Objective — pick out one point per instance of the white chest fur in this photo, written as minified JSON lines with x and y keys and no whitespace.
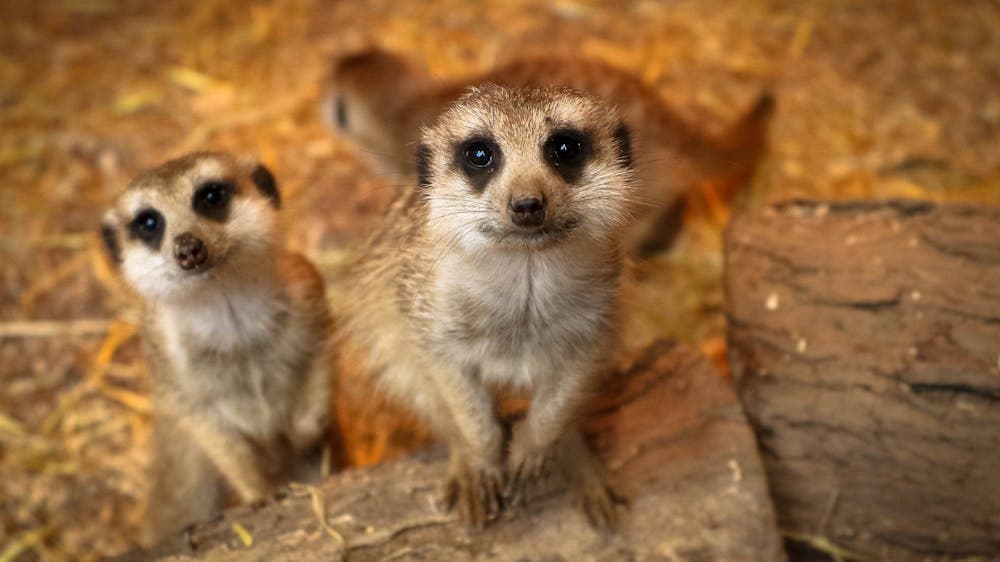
{"x":519,"y":315}
{"x":224,"y":320}
{"x":227,"y":353}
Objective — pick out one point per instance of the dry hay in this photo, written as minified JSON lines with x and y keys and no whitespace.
{"x":91,"y":92}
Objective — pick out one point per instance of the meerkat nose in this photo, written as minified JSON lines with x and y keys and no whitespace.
{"x":190,"y":252}
{"x":527,"y":211}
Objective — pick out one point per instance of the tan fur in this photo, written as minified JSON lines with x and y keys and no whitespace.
{"x":450,"y":300}
{"x":387,"y":99}
{"x":236,"y":350}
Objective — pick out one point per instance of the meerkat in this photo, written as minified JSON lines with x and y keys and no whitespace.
{"x":503,"y":270}
{"x":234,"y":329}
{"x":380,"y":101}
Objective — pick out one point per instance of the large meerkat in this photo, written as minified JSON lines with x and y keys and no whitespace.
{"x":234,"y":330}
{"x":380,"y":101}
{"x":502,"y":270}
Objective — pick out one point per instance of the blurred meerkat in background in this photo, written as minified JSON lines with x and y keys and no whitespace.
{"x":234,"y":329}
{"x":502,"y":270}
{"x":380,"y":101}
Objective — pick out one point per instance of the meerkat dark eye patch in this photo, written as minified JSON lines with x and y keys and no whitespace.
{"x":623,"y":142}
{"x":266,"y":184}
{"x":148,"y":226}
{"x":110,"y":238}
{"x":567,"y":152}
{"x":340,"y":111}
{"x":479,"y":158}
{"x":211,"y":199}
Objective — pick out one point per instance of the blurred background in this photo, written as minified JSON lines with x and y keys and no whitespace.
{"x":874,"y":99}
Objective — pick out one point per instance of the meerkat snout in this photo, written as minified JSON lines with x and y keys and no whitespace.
{"x":528,"y":212}
{"x":189,"y":251}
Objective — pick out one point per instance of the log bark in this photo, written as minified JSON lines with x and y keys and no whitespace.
{"x":668,"y":426}
{"x":864,"y":339}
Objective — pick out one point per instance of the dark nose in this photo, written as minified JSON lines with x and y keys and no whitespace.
{"x":189,"y":251}
{"x":527,"y":211}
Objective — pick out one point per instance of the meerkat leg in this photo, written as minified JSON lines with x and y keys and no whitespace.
{"x":184,"y":484}
{"x":233,"y":456}
{"x":465,"y":413}
{"x":311,"y":419}
{"x":554,"y":407}
{"x":312,"y":436}
{"x":589,"y":480}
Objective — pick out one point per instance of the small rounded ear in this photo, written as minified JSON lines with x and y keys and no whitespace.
{"x":264,"y":180}
{"x":109,"y":236}
{"x":623,"y":142}
{"x":423,"y":156}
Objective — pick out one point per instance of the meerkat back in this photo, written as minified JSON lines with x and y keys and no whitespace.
{"x":234,"y":329}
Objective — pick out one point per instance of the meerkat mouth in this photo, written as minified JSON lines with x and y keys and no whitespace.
{"x":545,"y":235}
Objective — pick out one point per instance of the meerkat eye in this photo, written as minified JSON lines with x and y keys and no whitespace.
{"x":147,"y":225}
{"x":479,"y":158}
{"x":567,"y":152}
{"x":341,"y":111}
{"x":564,"y":149}
{"x":212,"y":199}
{"x":478,"y":154}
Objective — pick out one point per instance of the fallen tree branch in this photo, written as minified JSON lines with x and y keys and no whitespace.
{"x":864,"y":340}
{"x":668,"y":426}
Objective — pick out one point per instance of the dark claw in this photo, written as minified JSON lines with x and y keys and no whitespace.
{"x":599,"y":504}
{"x":526,"y":478}
{"x":450,"y":494}
{"x":476,"y":496}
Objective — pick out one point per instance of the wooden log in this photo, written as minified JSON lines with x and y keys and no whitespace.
{"x":864,"y":339}
{"x":669,"y":427}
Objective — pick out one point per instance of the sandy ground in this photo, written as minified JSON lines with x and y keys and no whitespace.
{"x":875,"y":99}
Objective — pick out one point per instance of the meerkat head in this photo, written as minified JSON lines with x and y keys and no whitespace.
{"x":526,"y":168}
{"x":365,"y":95}
{"x":203,"y":218}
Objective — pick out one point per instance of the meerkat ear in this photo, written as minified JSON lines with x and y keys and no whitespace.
{"x":109,"y":236}
{"x":266,"y":185}
{"x":423,"y":166}
{"x":623,"y":140}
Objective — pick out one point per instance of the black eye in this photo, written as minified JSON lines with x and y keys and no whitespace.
{"x":479,"y":158}
{"x":341,"y":109}
{"x":212,"y":199}
{"x":148,"y":226}
{"x":479,"y":154}
{"x":567,"y":152}
{"x":148,"y":222}
{"x":565,"y":149}
{"x":214,"y":194}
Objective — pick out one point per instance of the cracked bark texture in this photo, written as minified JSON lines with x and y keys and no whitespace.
{"x":668,"y":426}
{"x":865,"y":344}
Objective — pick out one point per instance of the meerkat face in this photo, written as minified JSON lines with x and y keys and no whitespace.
{"x":203,"y":218}
{"x":526,"y":168}
{"x":363,"y":97}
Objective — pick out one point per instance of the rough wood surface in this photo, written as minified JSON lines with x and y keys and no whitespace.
{"x":669,"y":427}
{"x":865,"y":343}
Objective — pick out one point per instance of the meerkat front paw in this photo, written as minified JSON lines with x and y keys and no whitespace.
{"x":477,"y":494}
{"x":590,"y":482}
{"x":599,"y":502}
{"x":527,"y":467}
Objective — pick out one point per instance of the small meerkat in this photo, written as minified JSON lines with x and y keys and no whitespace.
{"x":502,"y":271}
{"x":380,"y":101}
{"x":234,"y":329}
